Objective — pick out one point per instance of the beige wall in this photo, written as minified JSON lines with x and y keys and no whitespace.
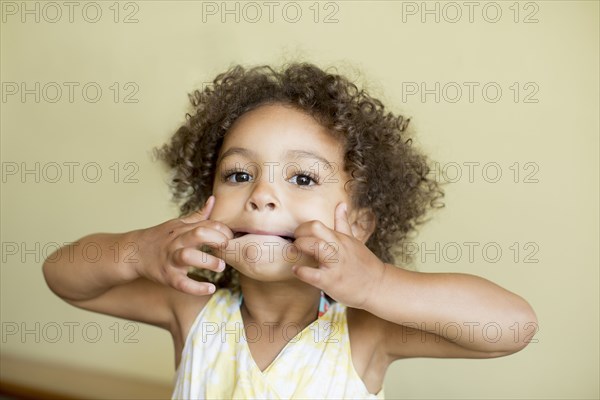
{"x":550,"y":212}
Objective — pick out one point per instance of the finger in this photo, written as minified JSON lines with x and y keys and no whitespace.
{"x":211,"y":233}
{"x":221,"y":227}
{"x":341,"y":220}
{"x":183,"y":283}
{"x":190,"y":257}
{"x":326,"y":253}
{"x":315,"y":229}
{"x":202,"y":214}
{"x":218,"y":226}
{"x":312,"y":276}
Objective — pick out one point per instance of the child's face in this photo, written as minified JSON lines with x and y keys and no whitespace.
{"x":263,"y":185}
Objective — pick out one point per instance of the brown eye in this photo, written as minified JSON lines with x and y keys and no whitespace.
{"x":240,"y":177}
{"x":235,"y":176}
{"x":304,"y":179}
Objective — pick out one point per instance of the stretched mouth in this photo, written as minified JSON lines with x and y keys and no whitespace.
{"x":240,"y":234}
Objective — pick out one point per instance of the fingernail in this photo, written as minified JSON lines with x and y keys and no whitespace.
{"x":211,"y":289}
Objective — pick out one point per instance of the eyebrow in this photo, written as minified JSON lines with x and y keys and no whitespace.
{"x":294,"y":154}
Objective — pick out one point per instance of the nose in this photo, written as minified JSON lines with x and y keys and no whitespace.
{"x":263,"y":197}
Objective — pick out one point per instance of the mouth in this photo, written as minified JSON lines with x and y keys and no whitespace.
{"x":285,"y":236}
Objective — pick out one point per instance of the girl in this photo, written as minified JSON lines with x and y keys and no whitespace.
{"x":307,"y":185}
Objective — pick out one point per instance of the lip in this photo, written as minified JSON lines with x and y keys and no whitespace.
{"x":261,"y":232}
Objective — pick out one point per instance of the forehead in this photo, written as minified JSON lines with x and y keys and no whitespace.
{"x":278,"y":131}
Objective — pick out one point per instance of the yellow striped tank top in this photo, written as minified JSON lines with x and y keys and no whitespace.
{"x":316,"y":363}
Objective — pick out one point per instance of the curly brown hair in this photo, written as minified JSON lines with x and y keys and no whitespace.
{"x":389,"y":175}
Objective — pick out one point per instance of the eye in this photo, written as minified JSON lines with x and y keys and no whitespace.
{"x":304,"y":178}
{"x":236,"y":176}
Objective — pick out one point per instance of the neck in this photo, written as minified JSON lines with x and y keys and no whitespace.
{"x":279,"y":302}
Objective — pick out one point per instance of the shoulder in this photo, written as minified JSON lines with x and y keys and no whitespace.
{"x":368,"y":347}
{"x":363,"y":324}
{"x":186,"y":309}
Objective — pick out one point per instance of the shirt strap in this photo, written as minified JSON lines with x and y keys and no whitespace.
{"x":323,"y":305}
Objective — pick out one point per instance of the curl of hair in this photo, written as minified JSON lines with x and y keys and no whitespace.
{"x":389,"y":175}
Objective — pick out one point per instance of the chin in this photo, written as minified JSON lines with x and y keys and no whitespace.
{"x":266,"y":272}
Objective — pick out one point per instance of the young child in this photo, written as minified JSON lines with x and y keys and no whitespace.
{"x":307,"y":189}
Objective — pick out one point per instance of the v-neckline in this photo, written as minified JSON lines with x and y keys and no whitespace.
{"x":292,"y":340}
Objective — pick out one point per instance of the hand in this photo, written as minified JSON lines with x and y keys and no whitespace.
{"x":348,"y":271}
{"x":169,"y":249}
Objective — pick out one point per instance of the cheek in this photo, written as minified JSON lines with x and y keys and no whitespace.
{"x":221,"y":208}
{"x":224,"y":200}
{"x":322,"y":209}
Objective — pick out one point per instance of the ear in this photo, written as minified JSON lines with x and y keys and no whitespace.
{"x":362,"y":222}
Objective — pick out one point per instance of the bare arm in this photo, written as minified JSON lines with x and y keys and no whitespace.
{"x":92,"y":265}
{"x":412,"y":314}
{"x":139,"y":275}
{"x":441,"y":311}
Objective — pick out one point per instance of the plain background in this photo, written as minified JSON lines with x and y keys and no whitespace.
{"x":540,"y":132}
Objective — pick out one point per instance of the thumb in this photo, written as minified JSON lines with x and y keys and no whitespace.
{"x":202,"y":214}
{"x":341,"y":220}
{"x":310,"y":275}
